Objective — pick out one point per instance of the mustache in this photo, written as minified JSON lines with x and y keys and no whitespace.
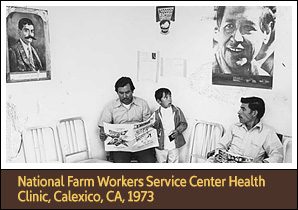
{"x":30,"y":37}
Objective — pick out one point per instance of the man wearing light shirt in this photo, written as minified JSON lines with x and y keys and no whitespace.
{"x":126,"y":109}
{"x":22,"y":55}
{"x":251,"y":137}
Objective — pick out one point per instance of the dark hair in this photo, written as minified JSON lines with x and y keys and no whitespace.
{"x":24,"y":21}
{"x":122,"y":82}
{"x":267,"y":17}
{"x":159,"y":93}
{"x":255,"y":103}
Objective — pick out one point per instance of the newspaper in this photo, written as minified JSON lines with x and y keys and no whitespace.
{"x":131,"y":137}
{"x":222,"y":156}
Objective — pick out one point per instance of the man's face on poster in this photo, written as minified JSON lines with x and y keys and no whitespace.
{"x":240,"y":37}
{"x":27,"y":33}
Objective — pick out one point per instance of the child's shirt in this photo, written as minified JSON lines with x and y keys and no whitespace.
{"x":167,"y":119}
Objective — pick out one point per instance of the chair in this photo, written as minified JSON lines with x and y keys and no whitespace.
{"x":287,"y":150}
{"x":41,"y":145}
{"x":74,"y":141}
{"x":203,"y":139}
{"x":287,"y":147}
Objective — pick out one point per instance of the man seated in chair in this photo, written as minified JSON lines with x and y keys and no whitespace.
{"x":126,"y":109}
{"x":250,"y":137}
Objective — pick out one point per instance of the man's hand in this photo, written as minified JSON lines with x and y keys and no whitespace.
{"x":211,"y":153}
{"x":155,"y":125}
{"x":102,"y":134}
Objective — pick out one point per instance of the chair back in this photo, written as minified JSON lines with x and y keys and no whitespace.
{"x":73,"y":138}
{"x":203,"y":139}
{"x":41,"y":145}
{"x":287,"y":149}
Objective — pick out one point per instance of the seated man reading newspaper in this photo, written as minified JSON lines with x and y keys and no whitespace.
{"x":250,"y":140}
{"x":130,"y":116}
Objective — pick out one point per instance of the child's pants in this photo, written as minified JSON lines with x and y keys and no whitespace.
{"x":167,"y":156}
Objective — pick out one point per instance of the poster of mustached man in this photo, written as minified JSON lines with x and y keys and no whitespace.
{"x":243,"y":45}
{"x":164,"y":15}
{"x":28,"y":53}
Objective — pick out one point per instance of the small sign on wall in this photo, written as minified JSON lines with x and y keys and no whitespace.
{"x":173,"y":67}
{"x":148,"y":65}
{"x":164,"y":15}
{"x":27,"y":45}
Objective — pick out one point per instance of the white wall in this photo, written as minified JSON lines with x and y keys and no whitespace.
{"x":91,"y":47}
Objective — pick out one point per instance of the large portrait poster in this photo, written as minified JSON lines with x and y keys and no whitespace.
{"x":244,"y":46}
{"x":28,"y":53}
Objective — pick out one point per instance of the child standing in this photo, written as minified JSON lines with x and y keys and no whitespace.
{"x":170,"y":124}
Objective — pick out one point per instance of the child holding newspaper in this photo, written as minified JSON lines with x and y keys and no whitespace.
{"x":170,"y":124}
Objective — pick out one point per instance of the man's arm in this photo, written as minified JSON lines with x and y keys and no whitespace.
{"x":13,"y":61}
{"x":225,"y":141}
{"x":102,"y":134}
{"x":106,"y":116}
{"x":273,"y":148}
{"x":146,"y":111}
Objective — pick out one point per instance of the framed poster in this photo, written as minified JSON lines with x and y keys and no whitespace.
{"x":243,"y":46}
{"x":27,"y":45}
{"x":164,"y":15}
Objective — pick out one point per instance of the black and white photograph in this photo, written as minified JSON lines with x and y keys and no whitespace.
{"x":219,"y":80}
{"x":149,"y":105}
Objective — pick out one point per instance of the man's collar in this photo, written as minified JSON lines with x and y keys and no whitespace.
{"x":118,"y":103}
{"x":258,"y":125}
{"x":24,"y":44}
